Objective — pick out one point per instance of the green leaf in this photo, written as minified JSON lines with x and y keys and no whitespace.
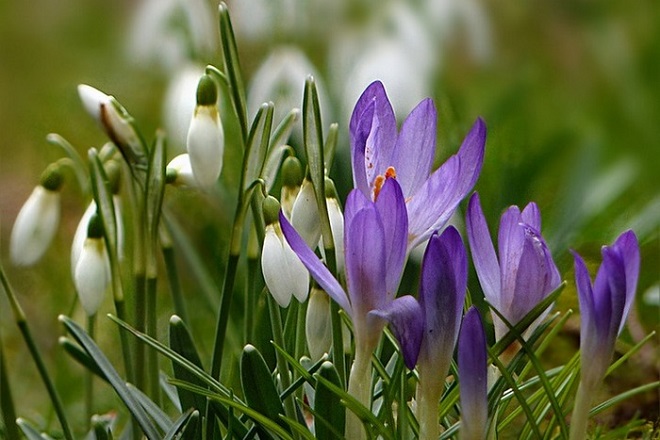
{"x":155,"y":191}
{"x":187,"y":422}
{"x":327,"y":405}
{"x":132,"y":404}
{"x":81,"y":356}
{"x":31,"y":433}
{"x":313,"y":143}
{"x":623,"y":396}
{"x":102,"y":426}
{"x":257,"y":145}
{"x":182,"y":342}
{"x":153,"y":410}
{"x":233,"y":69}
{"x":330,"y":146}
{"x":258,"y":386}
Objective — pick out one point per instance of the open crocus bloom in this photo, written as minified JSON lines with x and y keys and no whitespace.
{"x":524,"y":274}
{"x":375,"y":236}
{"x":378,"y":152}
{"x":605,"y":305}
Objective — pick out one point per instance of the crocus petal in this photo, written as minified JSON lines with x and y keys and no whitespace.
{"x":616,"y":278}
{"x":585,"y":295}
{"x":35,"y":226}
{"x":315,"y":267}
{"x":471,"y":155}
{"x":355,"y":201}
{"x":415,"y":147}
{"x":434,"y":203}
{"x":441,"y":296}
{"x":472,"y":371}
{"x":407,"y":320}
{"x":532,"y":216}
{"x":629,"y":248}
{"x":483,"y":251}
{"x":373,"y":135}
{"x":510,"y":241}
{"x":392,"y":209}
{"x":364,"y":242}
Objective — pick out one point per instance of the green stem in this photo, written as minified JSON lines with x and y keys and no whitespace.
{"x":152,"y":326}
{"x":21,"y":322}
{"x":89,"y":395}
{"x":580,"y":416}
{"x":140,"y":325}
{"x":282,"y":366}
{"x":6,"y":400}
{"x":359,"y":386}
{"x":250,"y":296}
{"x":337,"y":342}
{"x":175,"y":284}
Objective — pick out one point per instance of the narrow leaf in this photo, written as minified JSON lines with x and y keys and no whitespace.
{"x":327,"y":405}
{"x":187,"y":421}
{"x":181,"y":342}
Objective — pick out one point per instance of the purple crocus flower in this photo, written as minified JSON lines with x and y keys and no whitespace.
{"x":378,"y":152}
{"x":375,"y":237}
{"x":473,"y":374}
{"x":604,"y":307}
{"x":524,"y":274}
{"x":441,"y":295}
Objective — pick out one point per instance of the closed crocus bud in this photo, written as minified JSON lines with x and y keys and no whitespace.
{"x":91,"y":275}
{"x":318,"y":328}
{"x":292,"y":178}
{"x":284,"y":273}
{"x":305,"y":215}
{"x":179,"y":171}
{"x":206,"y":139}
{"x":116,"y":123}
{"x":37,"y":220}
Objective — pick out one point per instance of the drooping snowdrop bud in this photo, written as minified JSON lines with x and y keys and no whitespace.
{"x":283,"y":272}
{"x":305,"y":215}
{"x":318,"y":328}
{"x":206,"y":139}
{"x":292,"y":178}
{"x":336,"y":222}
{"x":116,"y":123}
{"x":91,"y":275}
{"x":179,"y":171}
{"x":37,"y":220}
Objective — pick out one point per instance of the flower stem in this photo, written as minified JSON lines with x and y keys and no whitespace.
{"x":89,"y":396}
{"x":21,"y":322}
{"x":174,"y":282}
{"x":6,"y":401}
{"x":580,"y":416}
{"x":359,"y":386}
{"x":152,"y":355}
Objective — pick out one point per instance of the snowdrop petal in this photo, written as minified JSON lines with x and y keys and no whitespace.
{"x":91,"y":275}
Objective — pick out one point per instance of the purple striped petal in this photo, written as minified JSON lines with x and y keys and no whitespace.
{"x":365,"y":263}
{"x":434,"y":203}
{"x":392,"y":209}
{"x":355,"y":201}
{"x":441,"y":296}
{"x":628,"y":247}
{"x":415,"y":147}
{"x":585,"y":297}
{"x":373,"y":136}
{"x":471,"y":155}
{"x":510,"y":240}
{"x":316,"y":268}
{"x":407,"y":320}
{"x":472,"y":371}
{"x":616,"y":277}
{"x":483,"y":251}
{"x":532,"y":216}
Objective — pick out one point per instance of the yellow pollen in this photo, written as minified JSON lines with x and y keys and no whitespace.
{"x":390,"y":173}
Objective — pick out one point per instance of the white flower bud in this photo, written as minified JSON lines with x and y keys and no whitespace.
{"x":305,"y":215}
{"x":337,"y":227}
{"x":35,"y":226}
{"x":179,"y":171}
{"x":206,"y":139}
{"x":284,"y":273}
{"x":92,"y":99}
{"x":91,"y":275}
{"x":318,"y":326}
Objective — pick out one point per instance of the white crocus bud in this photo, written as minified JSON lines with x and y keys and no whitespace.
{"x":91,"y":275}
{"x":37,"y":220}
{"x":179,"y":171}
{"x":283,"y":272}
{"x":206,"y":140}
{"x":305,"y":215}
{"x":292,"y":177}
{"x":318,"y":328}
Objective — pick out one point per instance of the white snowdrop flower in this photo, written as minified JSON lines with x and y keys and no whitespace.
{"x":179,"y":171}
{"x":206,"y":139}
{"x":318,"y":326}
{"x":283,"y":272}
{"x":91,"y":275}
{"x":305,"y":215}
{"x":92,"y":99}
{"x":179,"y":105}
{"x":337,"y":226}
{"x":37,"y":220}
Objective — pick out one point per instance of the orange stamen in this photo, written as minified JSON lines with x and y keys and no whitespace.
{"x":390,"y":173}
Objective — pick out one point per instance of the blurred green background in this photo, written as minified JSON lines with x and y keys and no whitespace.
{"x":569,"y":91}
